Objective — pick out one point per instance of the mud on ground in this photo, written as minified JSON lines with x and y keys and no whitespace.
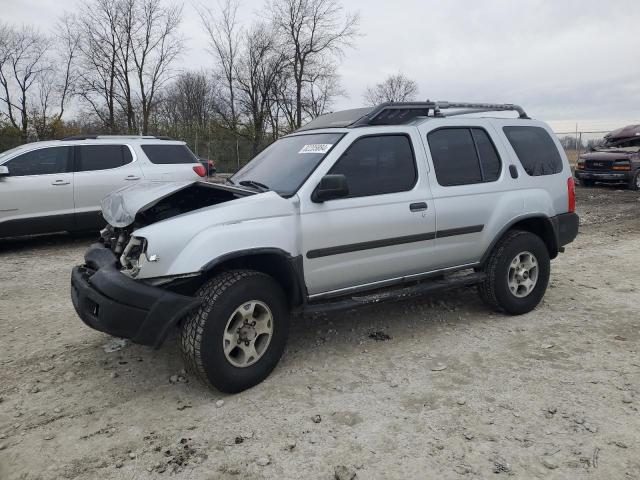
{"x":437,"y":387}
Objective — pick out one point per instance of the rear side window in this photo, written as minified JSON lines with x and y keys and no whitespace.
{"x":44,"y":161}
{"x":378,"y":165}
{"x":102,"y":157}
{"x":535,"y":149}
{"x":463,"y":156}
{"x":166,"y":154}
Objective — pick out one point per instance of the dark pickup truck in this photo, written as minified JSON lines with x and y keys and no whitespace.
{"x":617,"y":160}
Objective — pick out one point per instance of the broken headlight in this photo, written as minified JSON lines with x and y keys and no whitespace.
{"x":133,"y":256}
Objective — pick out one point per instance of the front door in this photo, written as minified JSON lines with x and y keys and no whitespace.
{"x":383,"y":230}
{"x":37,"y":196}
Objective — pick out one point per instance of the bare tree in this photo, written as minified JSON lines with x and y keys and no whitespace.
{"x":395,"y":88}
{"x":321,"y":89}
{"x":7,"y":35}
{"x":128,"y":48}
{"x":98,"y":23}
{"x":156,"y":45}
{"x":255,"y":75}
{"x":68,"y":39}
{"x":124,"y":65}
{"x":55,"y":83}
{"x":224,"y":41}
{"x":189,"y":100}
{"x":22,"y":61}
{"x":311,"y":30}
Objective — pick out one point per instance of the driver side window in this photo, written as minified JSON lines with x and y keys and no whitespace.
{"x":375,"y":165}
{"x":44,"y":161}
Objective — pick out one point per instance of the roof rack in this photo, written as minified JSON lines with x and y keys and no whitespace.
{"x":116,"y":137}
{"x":395,"y":113}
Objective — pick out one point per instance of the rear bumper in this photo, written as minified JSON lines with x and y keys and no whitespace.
{"x":606,"y":176}
{"x":565,"y":227}
{"x":111,"y":302}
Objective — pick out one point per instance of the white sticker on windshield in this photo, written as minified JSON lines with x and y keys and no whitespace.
{"x":316,"y":148}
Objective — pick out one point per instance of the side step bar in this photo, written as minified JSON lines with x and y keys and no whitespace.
{"x":395,"y":294}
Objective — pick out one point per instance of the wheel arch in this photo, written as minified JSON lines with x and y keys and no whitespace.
{"x":540,"y":225}
{"x":286,"y":269}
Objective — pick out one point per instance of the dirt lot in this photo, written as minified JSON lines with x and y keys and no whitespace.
{"x":455,"y":392}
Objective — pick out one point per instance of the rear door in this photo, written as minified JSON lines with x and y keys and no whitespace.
{"x":37,"y":196}
{"x":99,"y":170}
{"x":472,"y":189}
{"x":169,"y":162}
{"x":384,"y":230}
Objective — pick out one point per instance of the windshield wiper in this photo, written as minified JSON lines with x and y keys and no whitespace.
{"x":257,"y":185}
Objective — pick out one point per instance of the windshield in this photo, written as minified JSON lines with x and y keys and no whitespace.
{"x":285,"y":165}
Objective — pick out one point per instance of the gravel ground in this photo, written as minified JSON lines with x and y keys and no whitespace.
{"x":437,"y":387}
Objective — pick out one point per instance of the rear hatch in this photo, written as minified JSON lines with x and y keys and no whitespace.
{"x":171,"y":161}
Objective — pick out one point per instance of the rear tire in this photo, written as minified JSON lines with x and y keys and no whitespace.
{"x":236,"y":337}
{"x":634,"y":183}
{"x":517,"y":272}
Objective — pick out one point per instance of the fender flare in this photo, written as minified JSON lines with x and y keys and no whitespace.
{"x":295,"y":268}
{"x":551,"y":225}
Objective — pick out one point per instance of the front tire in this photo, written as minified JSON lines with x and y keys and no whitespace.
{"x":236,"y":337}
{"x":517,"y":273}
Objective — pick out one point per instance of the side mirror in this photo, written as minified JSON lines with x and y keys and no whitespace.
{"x":330,"y":188}
{"x":4,"y":171}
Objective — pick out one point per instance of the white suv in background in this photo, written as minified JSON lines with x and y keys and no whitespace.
{"x":57,"y":185}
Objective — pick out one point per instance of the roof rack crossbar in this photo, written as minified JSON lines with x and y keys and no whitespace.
{"x":484,"y":107}
{"x":410,"y":110}
{"x":116,"y":137}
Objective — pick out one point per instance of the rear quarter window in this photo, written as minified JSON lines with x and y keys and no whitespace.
{"x":535,"y":149}
{"x":169,"y":154}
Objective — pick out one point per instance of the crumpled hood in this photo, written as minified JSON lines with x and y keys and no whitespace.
{"x":120,"y":207}
{"x":254,"y":207}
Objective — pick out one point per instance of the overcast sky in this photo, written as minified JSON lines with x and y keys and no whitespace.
{"x":565,"y":61}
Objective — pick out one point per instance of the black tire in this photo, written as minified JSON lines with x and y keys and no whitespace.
{"x":494,"y":290}
{"x":633,"y":183}
{"x":587,"y":183}
{"x":202,"y":331}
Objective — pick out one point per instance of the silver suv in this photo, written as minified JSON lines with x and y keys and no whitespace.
{"x":57,"y":185}
{"x":356,"y":207}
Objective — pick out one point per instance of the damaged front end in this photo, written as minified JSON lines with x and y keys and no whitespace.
{"x":137,"y":206}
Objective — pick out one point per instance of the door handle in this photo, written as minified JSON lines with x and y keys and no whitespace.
{"x":418,"y":207}
{"x":60,"y":182}
{"x":132,"y":177}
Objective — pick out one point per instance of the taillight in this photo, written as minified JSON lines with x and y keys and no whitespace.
{"x":571,"y":191}
{"x":200,"y":170}
{"x":581,"y":165}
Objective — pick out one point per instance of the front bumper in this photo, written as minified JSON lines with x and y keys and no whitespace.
{"x":111,"y":302}
{"x":606,"y":176}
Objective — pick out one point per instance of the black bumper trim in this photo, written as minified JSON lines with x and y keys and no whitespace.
{"x":111,"y":302}
{"x":604,"y":175}
{"x":565,"y":227}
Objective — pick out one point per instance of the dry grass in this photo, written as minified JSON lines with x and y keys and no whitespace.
{"x":573,"y":156}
